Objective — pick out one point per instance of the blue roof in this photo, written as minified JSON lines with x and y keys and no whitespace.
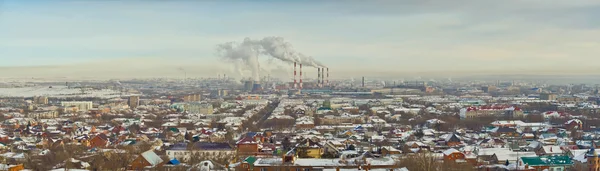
{"x":174,"y":162}
{"x":251,"y":134}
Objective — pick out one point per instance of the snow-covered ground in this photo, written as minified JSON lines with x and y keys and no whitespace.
{"x":57,"y":91}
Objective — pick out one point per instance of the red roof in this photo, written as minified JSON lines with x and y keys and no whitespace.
{"x":247,"y":140}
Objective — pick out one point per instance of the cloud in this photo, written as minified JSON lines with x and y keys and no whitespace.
{"x":379,"y":36}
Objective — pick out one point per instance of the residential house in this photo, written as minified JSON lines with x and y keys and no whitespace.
{"x":99,"y":141}
{"x":389,"y":150}
{"x":450,"y":140}
{"x":573,"y":124}
{"x":492,"y":142}
{"x":182,"y":152}
{"x":306,"y":122}
{"x":310,"y":164}
{"x":247,"y":146}
{"x":554,"y":163}
{"x":550,"y":150}
{"x":147,"y":159}
{"x":505,"y":132}
{"x":493,"y":110}
{"x":455,"y":156}
{"x":307,"y":148}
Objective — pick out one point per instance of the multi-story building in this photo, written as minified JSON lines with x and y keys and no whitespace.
{"x":487,"y":89}
{"x":493,"y":110}
{"x":81,"y":105}
{"x":48,"y":114}
{"x":547,"y":96}
{"x":203,"y":108}
{"x":191,"y":98}
{"x":134,"y":101}
{"x":40,"y":100}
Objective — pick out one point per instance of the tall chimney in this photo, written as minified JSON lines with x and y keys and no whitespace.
{"x":322,"y":76}
{"x":300,"y":76}
{"x":363,"y":81}
{"x":327,"y":81}
{"x":318,"y":77}
{"x":295,"y":84}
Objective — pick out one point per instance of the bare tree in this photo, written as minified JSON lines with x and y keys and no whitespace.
{"x":421,"y":162}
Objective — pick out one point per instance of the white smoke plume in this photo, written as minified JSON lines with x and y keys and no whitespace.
{"x":246,"y":54}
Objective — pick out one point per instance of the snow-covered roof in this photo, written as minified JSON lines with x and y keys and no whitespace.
{"x":152,"y":158}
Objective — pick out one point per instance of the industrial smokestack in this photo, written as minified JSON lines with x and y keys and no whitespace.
{"x":327,"y":81}
{"x":363,"y":82}
{"x":318,"y":77}
{"x":322,"y":76}
{"x":295,"y":84}
{"x":300,"y":76}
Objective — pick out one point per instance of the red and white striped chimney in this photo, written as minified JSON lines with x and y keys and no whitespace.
{"x":318,"y":77}
{"x":322,"y":76}
{"x":295,"y":84}
{"x":327,"y":81}
{"x":300,"y":76}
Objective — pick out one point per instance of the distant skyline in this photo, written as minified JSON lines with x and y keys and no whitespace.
{"x":145,"y":38}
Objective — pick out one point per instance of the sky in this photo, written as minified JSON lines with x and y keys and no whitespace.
{"x":353,"y":38}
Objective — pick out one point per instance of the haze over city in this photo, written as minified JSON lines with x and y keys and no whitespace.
{"x":299,"y":85}
{"x":125,"y":39}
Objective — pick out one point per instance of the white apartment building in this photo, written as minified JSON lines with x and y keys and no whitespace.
{"x":81,"y":105}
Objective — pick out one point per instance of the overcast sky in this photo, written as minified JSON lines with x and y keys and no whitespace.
{"x":351,"y":37}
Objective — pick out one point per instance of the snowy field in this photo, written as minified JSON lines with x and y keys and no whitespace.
{"x":57,"y":91}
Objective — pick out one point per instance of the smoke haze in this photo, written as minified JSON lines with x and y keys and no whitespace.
{"x":244,"y":55}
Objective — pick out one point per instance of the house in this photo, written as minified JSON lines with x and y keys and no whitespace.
{"x":247,"y":146}
{"x":592,"y":159}
{"x":305,"y":123}
{"x":455,"y":156}
{"x":417,"y":145}
{"x":98,"y":141}
{"x":550,"y":150}
{"x":556,"y":163}
{"x":505,"y":132}
{"x":308,"y":148}
{"x":147,"y":159}
{"x":573,"y":124}
{"x":493,"y":110}
{"x":182,"y":152}
{"x":450,"y":140}
{"x":389,"y":150}
{"x":334,"y":147}
{"x":492,"y":142}
{"x":311,"y":164}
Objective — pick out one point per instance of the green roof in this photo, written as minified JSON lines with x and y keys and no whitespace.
{"x":250,"y":160}
{"x":548,"y":161}
{"x":324,"y":108}
{"x":175,"y":130}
